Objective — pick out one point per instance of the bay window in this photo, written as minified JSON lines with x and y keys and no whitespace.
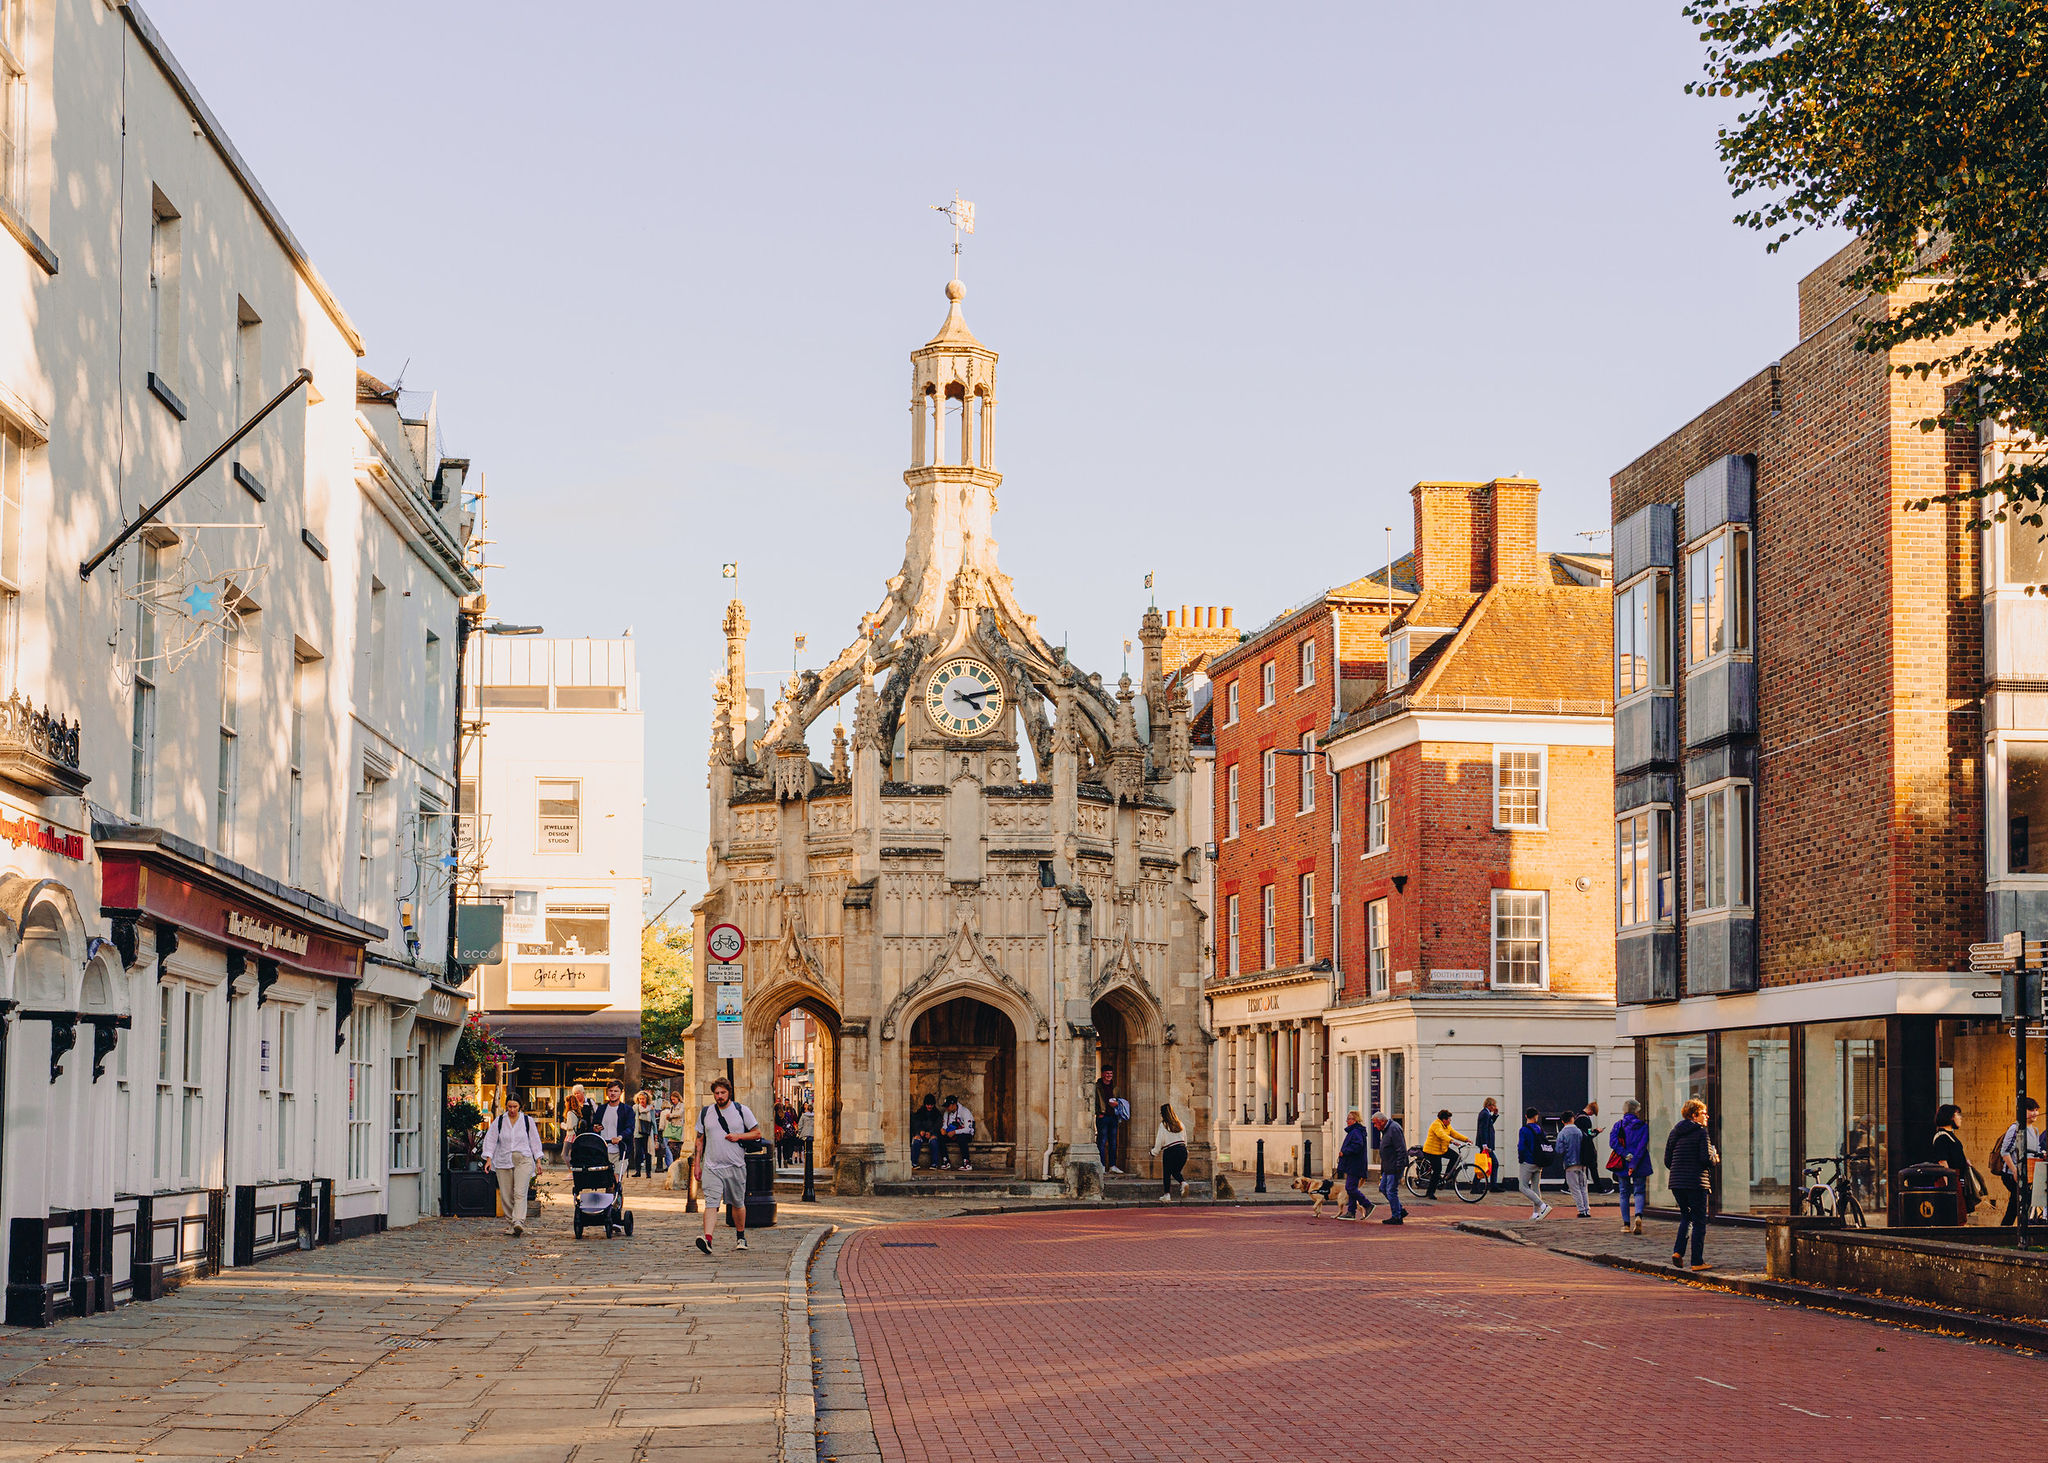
{"x":1718,"y":595}
{"x":1642,"y":636}
{"x":2024,"y":786}
{"x":1718,"y":847}
{"x":1642,"y":863}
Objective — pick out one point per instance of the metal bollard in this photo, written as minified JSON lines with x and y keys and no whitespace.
{"x":1308,"y":1166}
{"x":810,"y":1181}
{"x":1260,"y":1186}
{"x":690,"y":1185}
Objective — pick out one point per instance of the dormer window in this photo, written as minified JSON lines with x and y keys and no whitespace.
{"x":1397,"y":660}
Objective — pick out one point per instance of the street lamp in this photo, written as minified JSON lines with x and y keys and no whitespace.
{"x":1049,"y":900}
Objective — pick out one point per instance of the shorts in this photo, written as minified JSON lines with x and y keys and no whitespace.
{"x":729,"y":1184}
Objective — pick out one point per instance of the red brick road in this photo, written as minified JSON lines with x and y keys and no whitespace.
{"x":1198,"y":1334}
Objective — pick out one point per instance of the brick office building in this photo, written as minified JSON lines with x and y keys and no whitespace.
{"x":1830,"y":746}
{"x":1275,"y":693}
{"x":1474,"y":954}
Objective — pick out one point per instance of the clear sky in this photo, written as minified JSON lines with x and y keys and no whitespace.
{"x":1252,"y":271}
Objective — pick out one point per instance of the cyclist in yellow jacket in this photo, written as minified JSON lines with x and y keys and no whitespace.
{"x":1435,"y":1144}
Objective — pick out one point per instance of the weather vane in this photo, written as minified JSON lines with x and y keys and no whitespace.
{"x":961,"y":212}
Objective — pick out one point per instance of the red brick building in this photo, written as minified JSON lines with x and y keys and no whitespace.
{"x":1275,"y":914}
{"x":1831,"y":755}
{"x":1474,"y":952}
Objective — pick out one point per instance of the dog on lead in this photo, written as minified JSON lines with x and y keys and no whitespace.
{"x":1320,"y":1188}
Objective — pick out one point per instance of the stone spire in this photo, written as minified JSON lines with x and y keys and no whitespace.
{"x":736,"y":628}
{"x":1126,"y":779}
{"x":1152,"y":634}
{"x":867,"y":711}
{"x":721,"y":726}
{"x":1180,"y":747}
{"x":839,"y":764}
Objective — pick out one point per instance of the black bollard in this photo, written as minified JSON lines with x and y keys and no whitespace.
{"x":810,"y":1181}
{"x":1308,"y":1165}
{"x":1260,"y":1186}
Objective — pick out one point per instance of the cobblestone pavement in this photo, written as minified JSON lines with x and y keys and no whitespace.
{"x":449,"y":1340}
{"x":1203,"y":1333}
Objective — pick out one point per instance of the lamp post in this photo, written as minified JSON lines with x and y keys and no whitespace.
{"x":1049,"y":900}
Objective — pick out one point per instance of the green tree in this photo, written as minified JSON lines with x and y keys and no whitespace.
{"x":665,"y":989}
{"x":1921,"y":126}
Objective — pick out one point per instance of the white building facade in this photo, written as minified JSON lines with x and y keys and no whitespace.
{"x":226,"y":753}
{"x":558,"y":776}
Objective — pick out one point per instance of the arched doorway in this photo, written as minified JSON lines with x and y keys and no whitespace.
{"x":968,"y":1049}
{"x":1127,"y":1041}
{"x":794,"y":1052}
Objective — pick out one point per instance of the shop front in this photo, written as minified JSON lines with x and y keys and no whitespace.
{"x":1853,"y":1097}
{"x":1272,"y":1082}
{"x":558,"y":1052}
{"x":246,"y":1120}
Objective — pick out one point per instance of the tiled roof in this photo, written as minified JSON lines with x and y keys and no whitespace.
{"x":1374,"y":585}
{"x":1530,"y":642}
{"x":369,"y":388}
{"x":1437,"y":610}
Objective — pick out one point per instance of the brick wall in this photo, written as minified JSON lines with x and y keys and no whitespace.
{"x":1869,"y":652}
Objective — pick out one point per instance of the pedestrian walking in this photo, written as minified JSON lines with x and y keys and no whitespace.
{"x":924,"y":1131}
{"x":1530,"y":1157}
{"x":1589,"y":1120}
{"x":1575,"y":1147}
{"x":1354,"y":1161}
{"x":726,"y":1133}
{"x":806,"y":1130}
{"x":1106,"y":1119}
{"x":956,"y":1125}
{"x":675,"y":1129}
{"x":1629,"y":1161}
{"x":1689,"y":1160}
{"x":1170,"y":1147}
{"x":785,"y":1130}
{"x":2013,"y":1160}
{"x":1436,"y":1146}
{"x":575,"y":1115}
{"x":511,"y":1150}
{"x":1487,"y":1136}
{"x":613,"y":1121}
{"x":1948,"y":1150}
{"x":1393,"y":1163}
{"x":643,"y":1134}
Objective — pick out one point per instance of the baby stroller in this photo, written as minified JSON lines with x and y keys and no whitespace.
{"x":594,"y":1183}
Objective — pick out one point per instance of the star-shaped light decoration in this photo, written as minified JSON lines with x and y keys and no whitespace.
{"x":200,"y":602}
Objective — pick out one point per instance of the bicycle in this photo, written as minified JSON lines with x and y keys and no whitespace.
{"x":1834,"y":1196}
{"x":1460,"y":1174}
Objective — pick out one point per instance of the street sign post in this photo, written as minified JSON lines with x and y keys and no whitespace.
{"x":725,"y":942}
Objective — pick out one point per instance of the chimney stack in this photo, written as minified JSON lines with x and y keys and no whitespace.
{"x":1472,"y":536}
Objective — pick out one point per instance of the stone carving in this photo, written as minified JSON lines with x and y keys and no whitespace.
{"x":839,"y":773}
{"x":867,"y":715}
{"x":1092,"y":821}
{"x":895,"y":815}
{"x":1126,"y":776}
{"x":965,"y":961}
{"x":1152,"y":828}
{"x":794,"y":774}
{"x":721,"y":727}
{"x":834,"y":815}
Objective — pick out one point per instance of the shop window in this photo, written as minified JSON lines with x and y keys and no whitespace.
{"x":574,"y":932}
{"x":362,"y":1104}
{"x":1718,"y":847}
{"x":405,"y":1112}
{"x":287,"y":1088}
{"x":1677,"y":1075}
{"x":192,"y":1087}
{"x":1521,"y":938}
{"x":1642,"y":864}
{"x":166,"y":1090}
{"x":1379,"y":803}
{"x":1376,"y":946}
{"x":1397,"y":1086}
{"x":1752,"y":1121}
{"x":1844,"y":1106}
{"x":1718,"y":596}
{"x":1642,"y":636}
{"x":560,"y":813}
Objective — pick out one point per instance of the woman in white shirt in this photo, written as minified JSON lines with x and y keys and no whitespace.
{"x":1171,"y":1141}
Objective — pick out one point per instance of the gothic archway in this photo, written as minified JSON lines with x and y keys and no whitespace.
{"x":767,"y":1014}
{"x":1130,"y":1038}
{"x":967,"y":1048}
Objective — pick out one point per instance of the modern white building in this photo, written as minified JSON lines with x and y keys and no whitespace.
{"x":558,"y":776}
{"x":226,"y":746}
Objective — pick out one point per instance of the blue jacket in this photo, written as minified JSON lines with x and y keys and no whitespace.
{"x":1630,"y":1137}
{"x":1355,"y":1157}
{"x":1529,"y":1143}
{"x":1574,"y":1146}
{"x":1487,"y":1120}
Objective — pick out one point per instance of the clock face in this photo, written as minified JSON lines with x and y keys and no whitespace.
{"x":964,"y":698}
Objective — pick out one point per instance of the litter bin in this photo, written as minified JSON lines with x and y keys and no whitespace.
{"x":1930,"y":1195}
{"x":761,"y":1189}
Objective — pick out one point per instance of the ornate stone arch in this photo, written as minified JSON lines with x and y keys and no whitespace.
{"x":965,"y":968}
{"x":46,"y":938}
{"x":782,"y":997}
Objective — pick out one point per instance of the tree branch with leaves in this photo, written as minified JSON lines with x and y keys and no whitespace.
{"x":1922,"y":127}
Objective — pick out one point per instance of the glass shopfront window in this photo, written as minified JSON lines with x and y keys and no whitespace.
{"x":1844,"y":1106}
{"x":1678,"y":1073}
{"x":1752,"y":1121}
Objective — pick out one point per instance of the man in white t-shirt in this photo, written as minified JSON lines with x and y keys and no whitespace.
{"x":511,"y":1150}
{"x":722,"y":1127}
{"x":956,"y":1125}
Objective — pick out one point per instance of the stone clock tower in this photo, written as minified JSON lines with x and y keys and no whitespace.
{"x":990,"y":890}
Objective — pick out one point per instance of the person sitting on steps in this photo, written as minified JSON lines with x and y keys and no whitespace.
{"x":956,"y":1125}
{"x":924,"y":1133}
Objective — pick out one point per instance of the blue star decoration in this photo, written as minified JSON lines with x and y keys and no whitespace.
{"x":200,"y":601}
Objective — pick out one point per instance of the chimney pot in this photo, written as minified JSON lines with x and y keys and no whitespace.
{"x":1227,"y":612}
